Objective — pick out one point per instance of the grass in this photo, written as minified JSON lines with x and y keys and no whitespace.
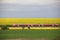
{"x":9,"y":34}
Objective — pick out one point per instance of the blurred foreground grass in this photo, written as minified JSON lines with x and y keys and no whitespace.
{"x":11,"y":34}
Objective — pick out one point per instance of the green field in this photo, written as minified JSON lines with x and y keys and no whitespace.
{"x":11,"y":34}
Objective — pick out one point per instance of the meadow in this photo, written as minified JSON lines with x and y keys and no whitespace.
{"x":53,"y":34}
{"x":31,"y":34}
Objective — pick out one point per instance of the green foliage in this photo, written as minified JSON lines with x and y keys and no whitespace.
{"x":4,"y":27}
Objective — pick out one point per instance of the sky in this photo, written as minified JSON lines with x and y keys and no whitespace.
{"x":29,"y":9}
{"x":28,"y":2}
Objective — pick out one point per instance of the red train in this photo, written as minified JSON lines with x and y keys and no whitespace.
{"x":32,"y":25}
{"x":35,"y":25}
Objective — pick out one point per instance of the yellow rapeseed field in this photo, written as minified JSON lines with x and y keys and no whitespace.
{"x":29,"y":20}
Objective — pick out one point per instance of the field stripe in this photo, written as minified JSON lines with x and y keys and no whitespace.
{"x":29,"y":20}
{"x":45,"y":28}
{"x":34,"y":28}
{"x":37,"y":28}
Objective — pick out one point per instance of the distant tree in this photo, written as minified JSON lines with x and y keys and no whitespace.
{"x":4,"y":27}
